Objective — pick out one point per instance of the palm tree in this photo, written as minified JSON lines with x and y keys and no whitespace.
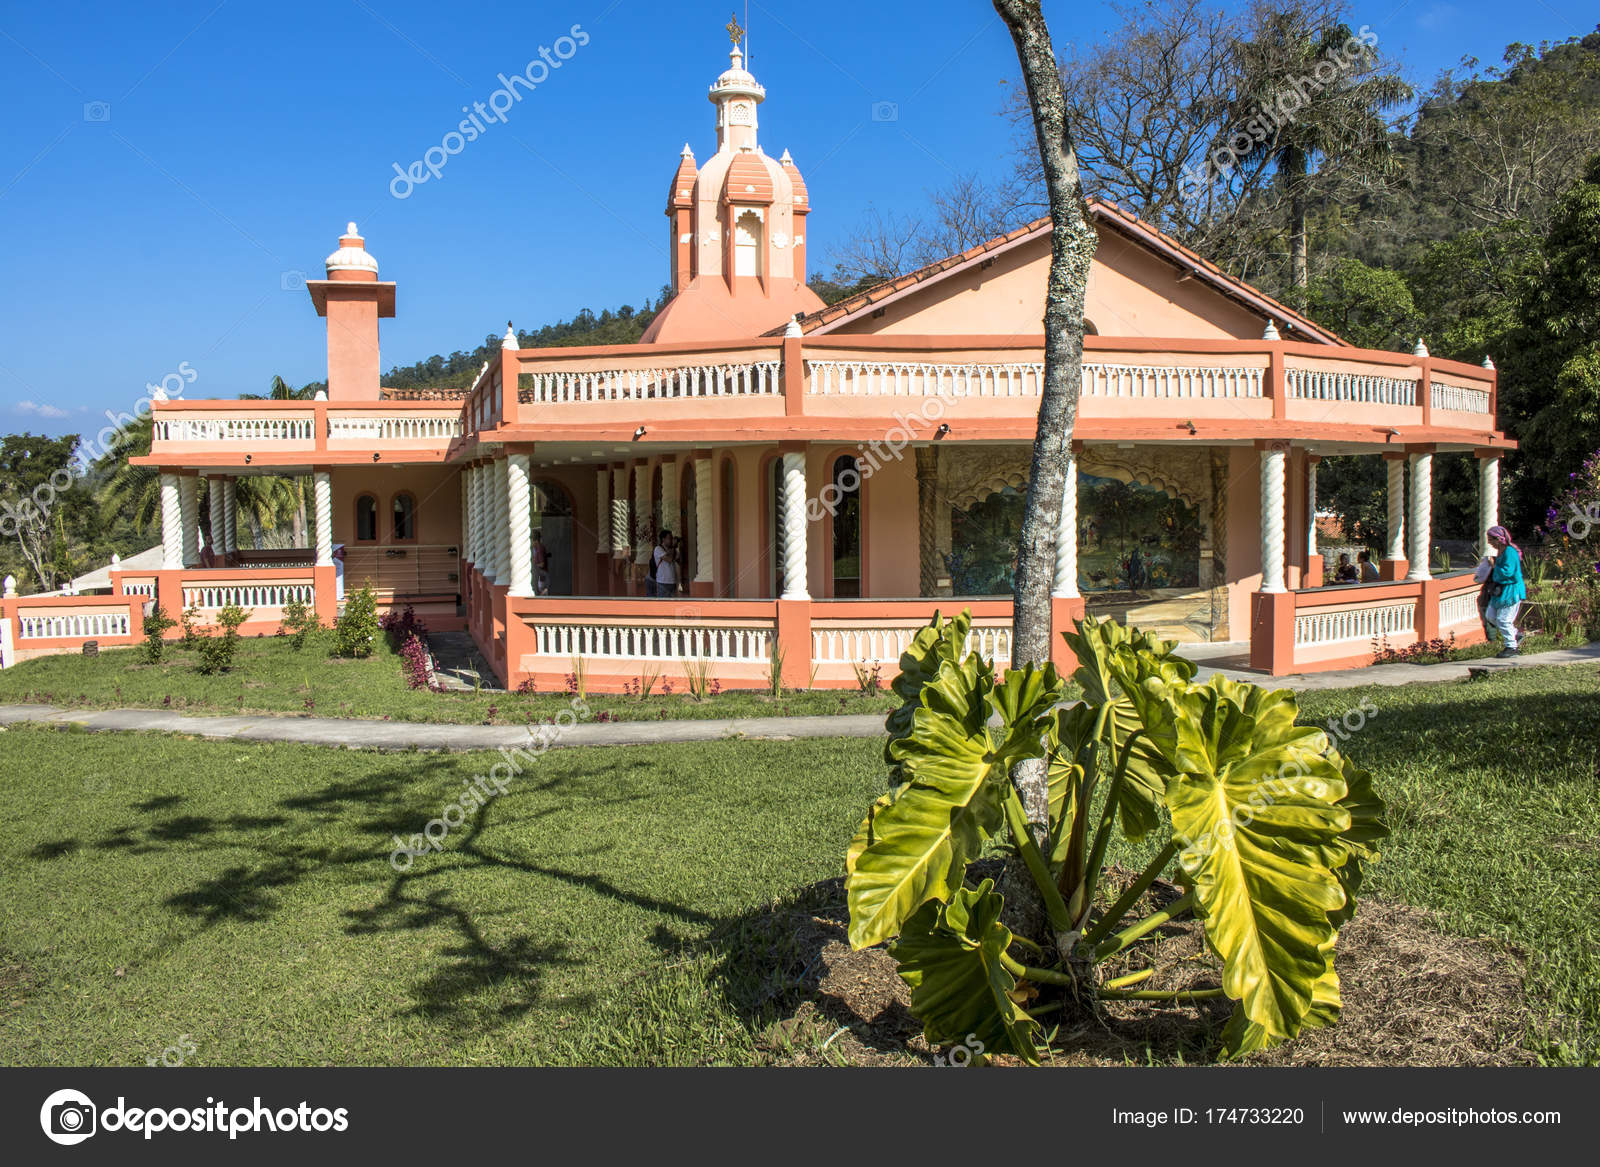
{"x":131,"y":491}
{"x":1305,"y":96}
{"x":268,"y":502}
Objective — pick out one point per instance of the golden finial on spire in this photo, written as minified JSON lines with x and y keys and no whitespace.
{"x":735,"y":32}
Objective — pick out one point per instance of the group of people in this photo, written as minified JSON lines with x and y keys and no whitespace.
{"x":1499,"y":599}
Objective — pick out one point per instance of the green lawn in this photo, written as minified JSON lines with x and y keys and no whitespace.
{"x":269,"y":676}
{"x":242,"y":895}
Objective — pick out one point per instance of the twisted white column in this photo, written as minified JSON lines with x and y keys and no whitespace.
{"x":1311,"y":510}
{"x":1065,"y":585}
{"x":1421,"y":515}
{"x":469,"y":521}
{"x":214,"y":504}
{"x":230,"y":515}
{"x":171,"y":523}
{"x":520,"y":529}
{"x":482,"y":558}
{"x":1397,"y":508}
{"x":794,"y":527}
{"x":502,"y":521}
{"x":621,"y":536}
{"x":322,"y":483}
{"x":602,"y":506}
{"x":669,"y":496}
{"x":189,"y":497}
{"x":1272,"y":496}
{"x":644,"y":537}
{"x":705,"y":553}
{"x":1488,"y":497}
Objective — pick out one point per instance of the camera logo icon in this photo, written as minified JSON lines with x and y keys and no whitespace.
{"x":292,"y":281}
{"x":97,"y":111}
{"x":68,"y":1117}
{"x":886,"y":111}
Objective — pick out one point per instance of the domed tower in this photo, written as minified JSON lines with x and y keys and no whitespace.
{"x":737,"y":227}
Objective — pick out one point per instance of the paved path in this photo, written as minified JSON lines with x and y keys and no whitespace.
{"x":404,"y":735}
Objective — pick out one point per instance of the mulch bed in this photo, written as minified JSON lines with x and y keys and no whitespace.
{"x":1413,"y":996}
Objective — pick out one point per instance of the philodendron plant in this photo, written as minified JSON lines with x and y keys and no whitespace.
{"x":1260,"y":822}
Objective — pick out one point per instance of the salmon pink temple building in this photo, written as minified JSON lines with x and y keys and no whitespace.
{"x":835,"y":473}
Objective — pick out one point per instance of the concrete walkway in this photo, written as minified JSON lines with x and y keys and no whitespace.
{"x":404,"y":735}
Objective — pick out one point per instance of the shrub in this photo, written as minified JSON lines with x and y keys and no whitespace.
{"x":402,"y":626}
{"x":698,"y":672}
{"x":191,"y":626}
{"x":869,"y":678}
{"x":414,"y":663}
{"x":155,"y":627}
{"x":301,"y":623}
{"x":216,"y":653}
{"x":1269,"y":826}
{"x":355,"y":633}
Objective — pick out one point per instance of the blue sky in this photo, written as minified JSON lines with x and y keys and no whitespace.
{"x":172,"y":170}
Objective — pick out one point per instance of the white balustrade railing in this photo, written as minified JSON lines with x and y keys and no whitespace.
{"x":398,"y":428}
{"x":751,"y":379}
{"x":1172,"y":381}
{"x":235,"y":429}
{"x":139,"y":587}
{"x":1458,"y":609}
{"x":1026,"y":379}
{"x":921,"y":379}
{"x":1460,"y":398}
{"x":72,"y":626}
{"x":883,"y":645}
{"x":1355,"y":624}
{"x":266,"y":594}
{"x":653,"y":642}
{"x":1328,"y":385}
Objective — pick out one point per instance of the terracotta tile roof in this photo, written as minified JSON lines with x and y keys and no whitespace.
{"x":1101,"y":211}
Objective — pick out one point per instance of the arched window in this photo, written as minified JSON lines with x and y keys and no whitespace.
{"x":366,"y":519}
{"x":405,"y":517}
{"x":844,"y":506}
{"x":747,"y":232}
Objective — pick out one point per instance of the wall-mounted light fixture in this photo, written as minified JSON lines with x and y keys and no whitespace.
{"x":376,"y":455}
{"x":944,"y":428}
{"x":638,"y":433}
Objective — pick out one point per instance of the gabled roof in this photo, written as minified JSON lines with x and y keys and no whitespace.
{"x":1104,"y":214}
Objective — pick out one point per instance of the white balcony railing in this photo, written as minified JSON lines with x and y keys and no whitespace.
{"x":72,"y":626}
{"x":567,"y":639}
{"x":1458,"y":609}
{"x":751,"y":379}
{"x":1387,"y":619}
{"x":398,"y":428}
{"x":1320,"y":385}
{"x":247,"y":595}
{"x":883,"y":645}
{"x":831,"y":378}
{"x":1460,"y":398}
{"x":235,"y":429}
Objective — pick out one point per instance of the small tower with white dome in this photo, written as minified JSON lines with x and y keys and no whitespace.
{"x":353,"y":299}
{"x":737,"y":224}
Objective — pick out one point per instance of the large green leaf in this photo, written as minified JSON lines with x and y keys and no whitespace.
{"x":1023,"y":701}
{"x":950,"y":956}
{"x":915,"y":846}
{"x":941,"y":641}
{"x":1360,"y":840}
{"x":1256,"y":801}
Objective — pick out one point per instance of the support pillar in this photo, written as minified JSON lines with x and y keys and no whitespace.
{"x":1313,"y":574}
{"x":621,"y":531}
{"x":189,"y":498}
{"x":1421,"y":514}
{"x":794,"y":526}
{"x":1066,"y":603}
{"x":644,"y":539}
{"x":1273,"y":480}
{"x":230,"y":516}
{"x":1394,"y":559}
{"x":1488,"y":495}
{"x":171,"y":523}
{"x":215,"y":503}
{"x":502,"y":522}
{"x":705,"y":551}
{"x":322,"y":487}
{"x":519,"y":530}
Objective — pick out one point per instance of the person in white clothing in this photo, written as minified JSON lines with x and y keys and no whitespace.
{"x":666,"y":567}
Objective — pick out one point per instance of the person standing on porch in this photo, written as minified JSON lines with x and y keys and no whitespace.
{"x":666,"y":562}
{"x":1368,"y":569}
{"x":1506,"y":588}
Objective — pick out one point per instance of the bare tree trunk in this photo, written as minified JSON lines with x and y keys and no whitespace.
{"x":1072,"y":249}
{"x":1299,"y":263}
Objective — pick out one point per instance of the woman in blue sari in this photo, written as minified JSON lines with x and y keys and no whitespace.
{"x":1506,"y":589}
